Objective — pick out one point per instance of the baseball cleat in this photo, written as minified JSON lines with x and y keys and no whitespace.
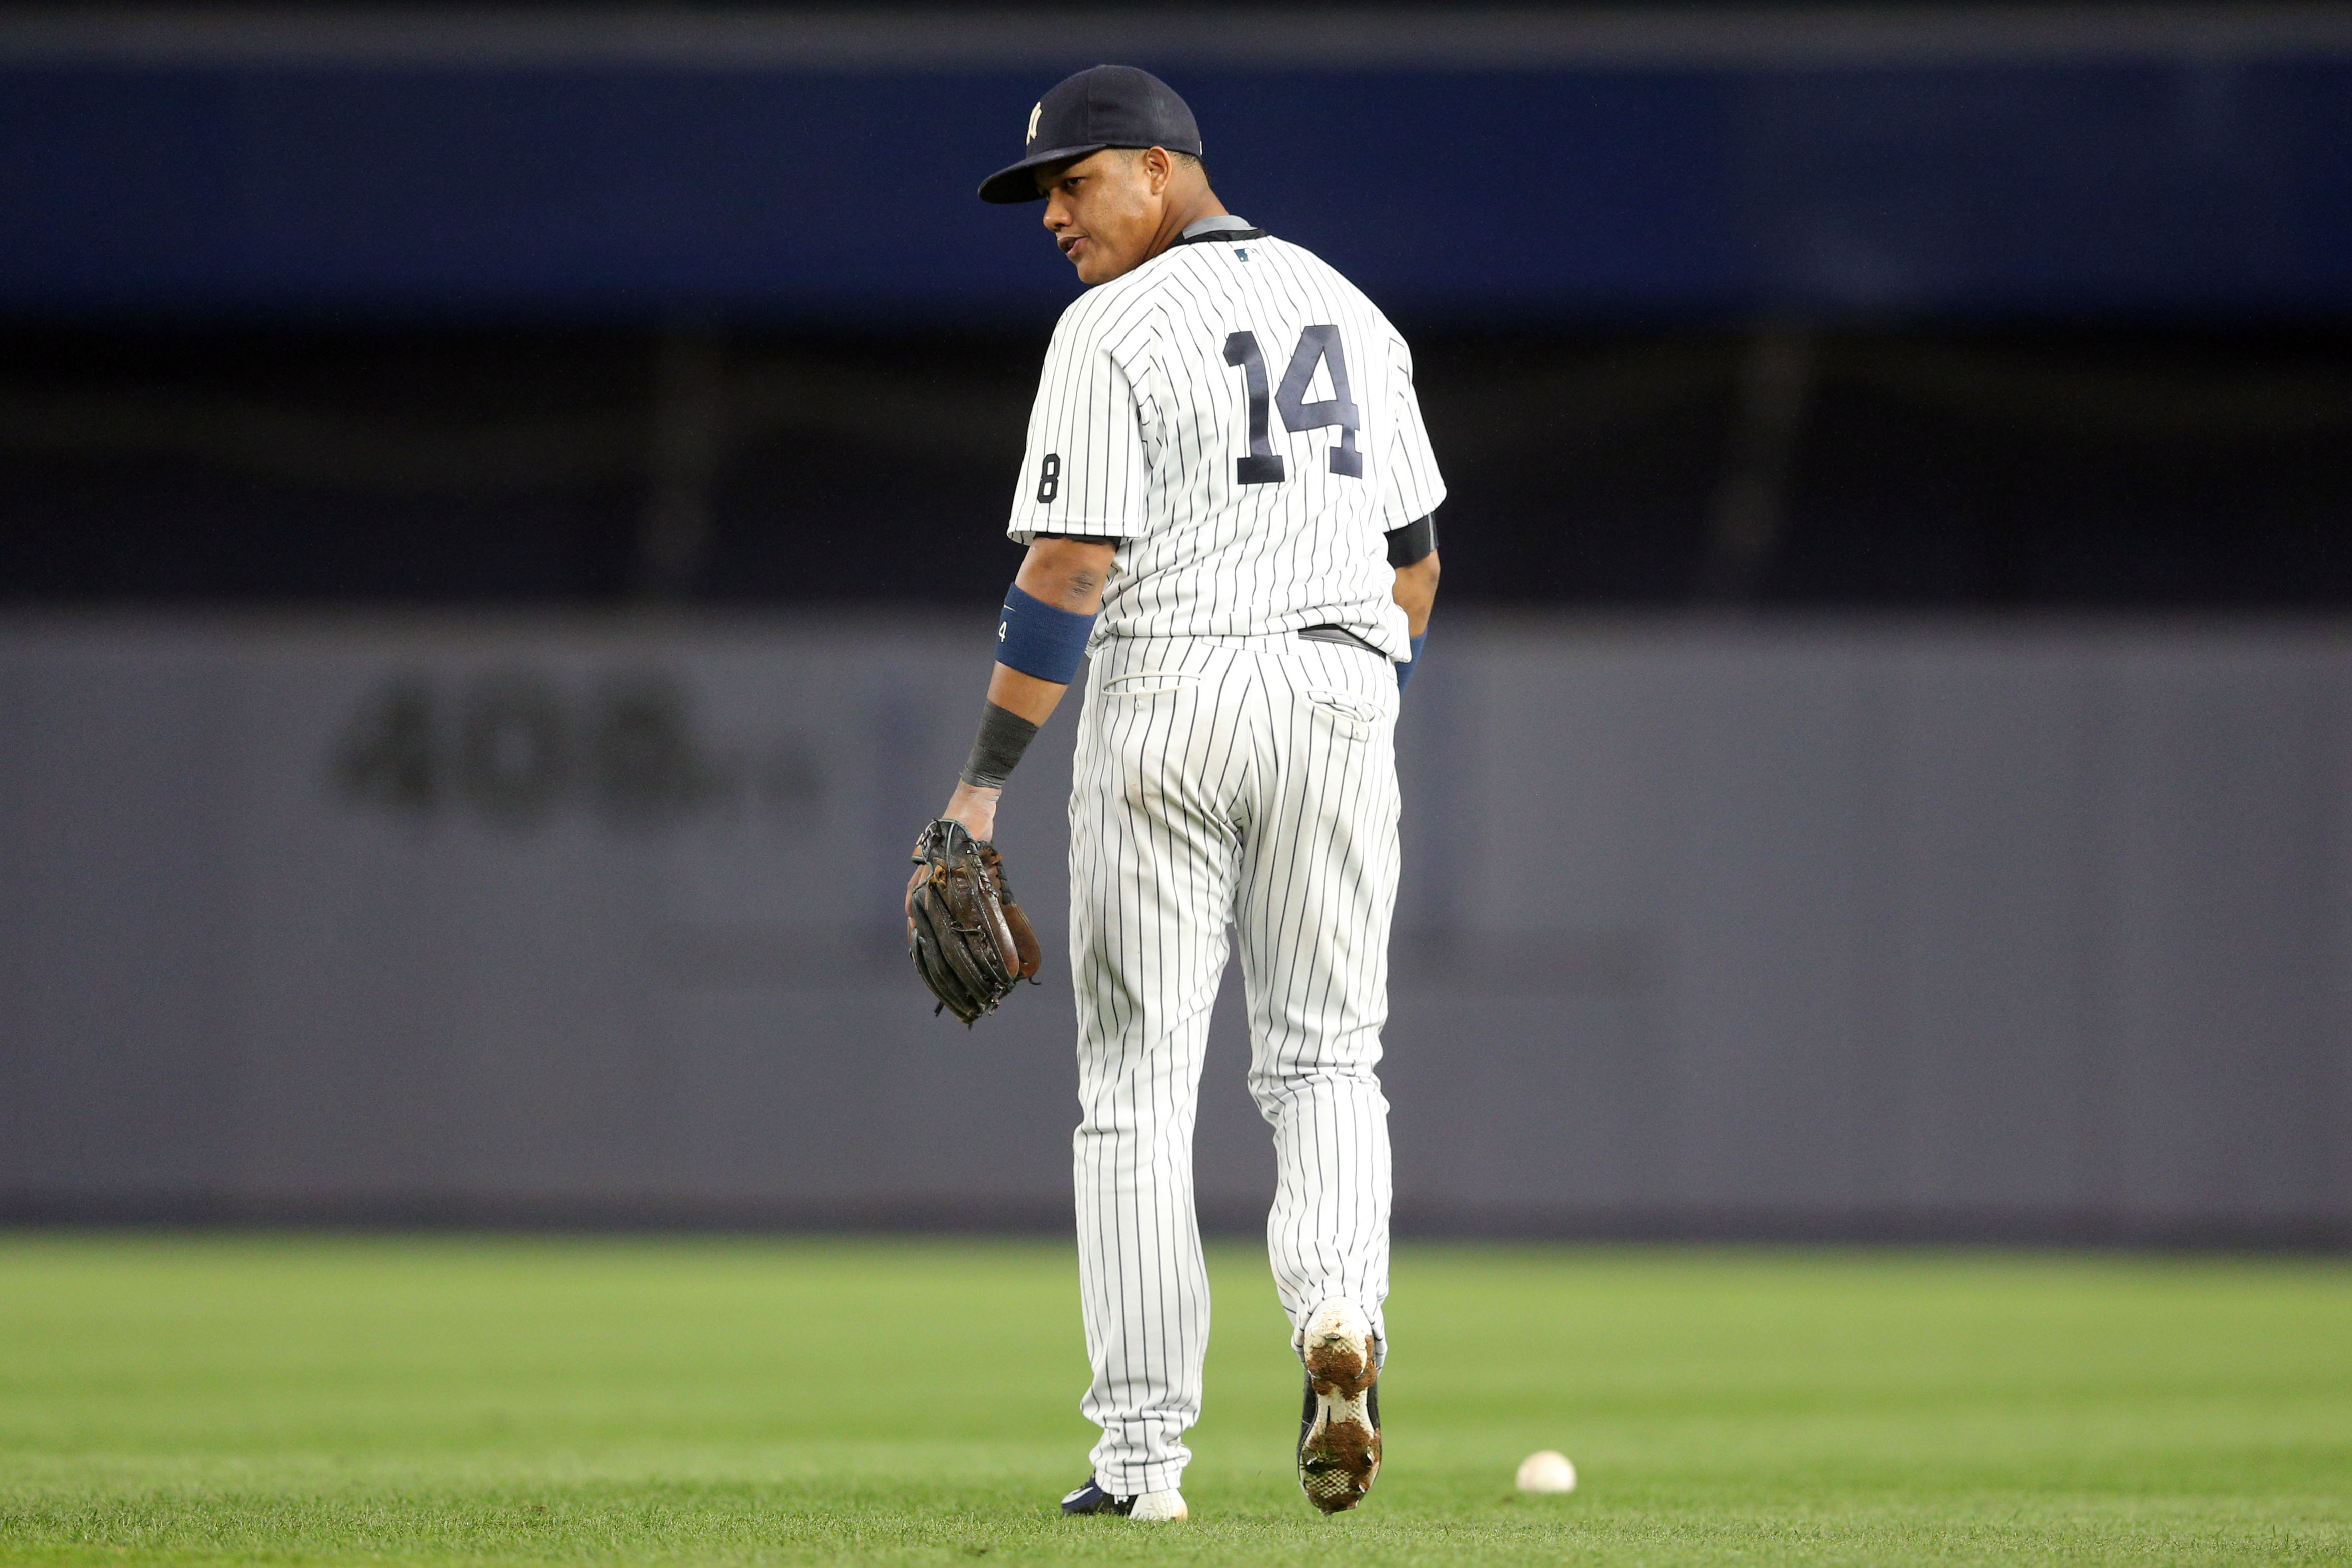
{"x":1339,"y":1430}
{"x":1158,"y":1506}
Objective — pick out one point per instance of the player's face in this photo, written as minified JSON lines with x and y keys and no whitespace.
{"x":1105,"y":211}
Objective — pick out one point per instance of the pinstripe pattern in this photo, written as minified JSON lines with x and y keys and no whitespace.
{"x":1249,"y":779}
{"x":1143,"y":419}
{"x":1229,"y":773}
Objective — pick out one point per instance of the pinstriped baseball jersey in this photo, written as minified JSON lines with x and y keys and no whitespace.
{"x":1243,"y":420}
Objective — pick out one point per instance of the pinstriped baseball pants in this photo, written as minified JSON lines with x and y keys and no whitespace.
{"x":1249,"y":780}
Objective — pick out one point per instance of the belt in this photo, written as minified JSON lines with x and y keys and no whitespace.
{"x":1338,"y":634}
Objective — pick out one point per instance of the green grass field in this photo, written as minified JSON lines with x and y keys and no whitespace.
{"x":493,"y":1401}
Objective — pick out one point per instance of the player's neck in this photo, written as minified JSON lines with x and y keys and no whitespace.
{"x":1182,"y":215}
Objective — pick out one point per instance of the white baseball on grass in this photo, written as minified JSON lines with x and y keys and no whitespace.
{"x":1547,"y":1471}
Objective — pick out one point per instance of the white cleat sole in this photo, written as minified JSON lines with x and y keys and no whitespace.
{"x":1339,"y":1430}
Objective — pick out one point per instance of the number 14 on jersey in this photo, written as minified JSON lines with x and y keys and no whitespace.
{"x":1317,"y":345}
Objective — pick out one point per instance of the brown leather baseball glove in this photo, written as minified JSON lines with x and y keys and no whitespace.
{"x":971,"y":942}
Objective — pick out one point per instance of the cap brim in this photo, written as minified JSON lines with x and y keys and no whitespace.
{"x":1009,"y":187}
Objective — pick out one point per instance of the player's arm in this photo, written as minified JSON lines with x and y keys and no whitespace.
{"x":1416,"y":593}
{"x":1413,"y":551}
{"x":1055,"y":599}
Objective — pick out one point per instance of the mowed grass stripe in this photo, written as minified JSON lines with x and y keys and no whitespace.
{"x":193,"y":1399}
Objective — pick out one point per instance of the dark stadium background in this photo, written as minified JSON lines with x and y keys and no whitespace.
{"x":2007,"y":465}
{"x":2007,"y":325}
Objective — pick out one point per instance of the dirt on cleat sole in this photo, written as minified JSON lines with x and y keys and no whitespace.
{"x":1339,"y":1430}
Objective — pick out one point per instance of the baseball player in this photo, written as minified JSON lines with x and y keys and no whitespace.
{"x":1226,"y":499}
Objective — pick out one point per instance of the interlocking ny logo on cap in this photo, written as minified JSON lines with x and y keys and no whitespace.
{"x":1035,"y":110}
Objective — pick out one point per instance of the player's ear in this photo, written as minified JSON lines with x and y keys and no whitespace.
{"x":1158,"y":167}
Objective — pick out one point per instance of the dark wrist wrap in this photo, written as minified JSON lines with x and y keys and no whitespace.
{"x":996,"y":751}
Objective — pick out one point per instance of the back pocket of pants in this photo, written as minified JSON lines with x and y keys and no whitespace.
{"x":1150,"y":682}
{"x":1348,"y":712}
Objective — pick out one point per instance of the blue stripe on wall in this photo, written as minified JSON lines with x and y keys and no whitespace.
{"x":2220,"y":189}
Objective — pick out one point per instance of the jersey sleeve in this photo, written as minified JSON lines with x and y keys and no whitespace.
{"x":1084,"y":468}
{"x":1411,"y":486}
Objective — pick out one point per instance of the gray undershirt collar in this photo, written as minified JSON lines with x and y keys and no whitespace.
{"x":1217,"y":224}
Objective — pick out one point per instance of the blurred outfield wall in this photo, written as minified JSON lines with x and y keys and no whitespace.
{"x":1707,"y":929}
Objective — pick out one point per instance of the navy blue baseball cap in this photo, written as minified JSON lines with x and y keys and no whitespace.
{"x":1105,"y":106}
